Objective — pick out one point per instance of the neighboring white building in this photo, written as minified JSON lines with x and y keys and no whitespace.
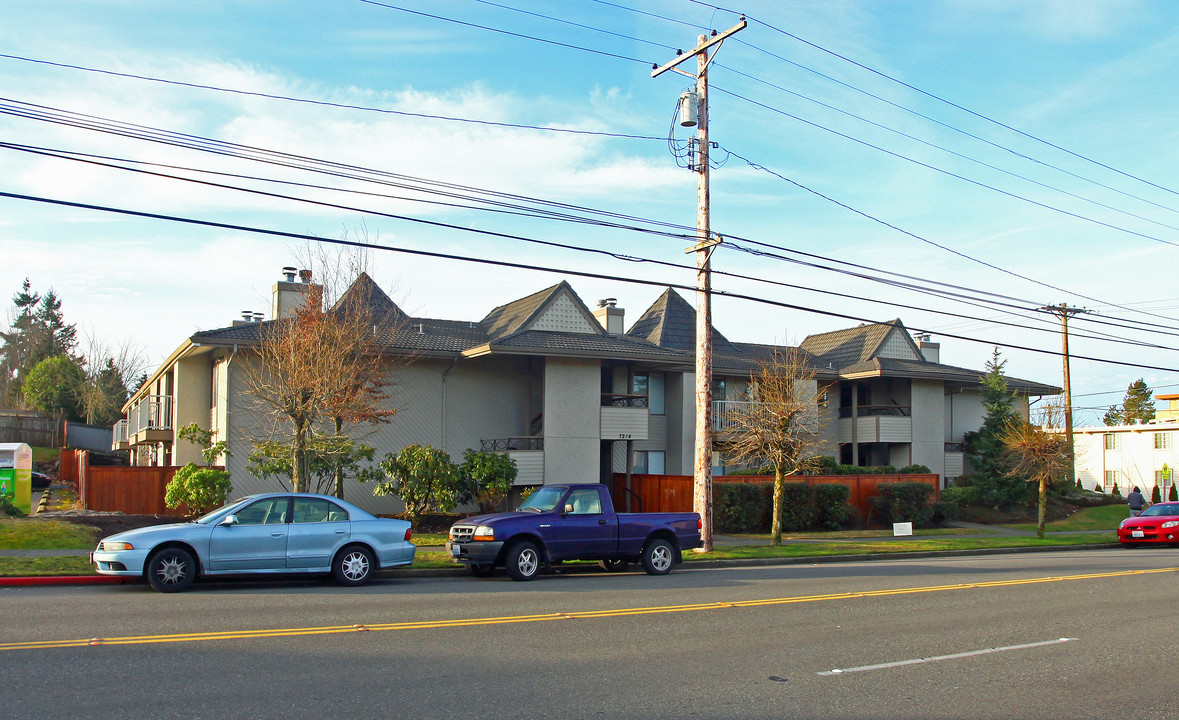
{"x":1142,"y":455}
{"x":569,"y":392}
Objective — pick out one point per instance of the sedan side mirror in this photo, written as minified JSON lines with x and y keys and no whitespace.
{"x":228,"y":520}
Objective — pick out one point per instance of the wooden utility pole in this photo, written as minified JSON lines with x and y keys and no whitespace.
{"x":705,"y":244}
{"x":1064,"y":312}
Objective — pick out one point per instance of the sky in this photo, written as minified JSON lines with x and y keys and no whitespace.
{"x":956,"y":164}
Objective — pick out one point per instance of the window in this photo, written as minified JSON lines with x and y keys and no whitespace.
{"x":651,"y":385}
{"x":1111,"y":478}
{"x":585,"y":502}
{"x":648,"y":462}
{"x":1162,"y":441}
{"x":1112,"y":441}
{"x":271,"y":511}
{"x":313,"y":510}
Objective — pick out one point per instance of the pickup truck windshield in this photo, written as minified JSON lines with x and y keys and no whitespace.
{"x":544,"y":500}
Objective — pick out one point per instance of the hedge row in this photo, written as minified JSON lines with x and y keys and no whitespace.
{"x":747,"y":507}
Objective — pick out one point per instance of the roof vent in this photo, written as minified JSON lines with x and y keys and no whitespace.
{"x":289,"y":273}
{"x":247,"y":315}
{"x":607,"y":302}
{"x":258,"y":317}
{"x":421,"y":328}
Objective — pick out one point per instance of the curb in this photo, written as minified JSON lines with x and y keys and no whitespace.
{"x":687,"y":565}
{"x":63,"y":580}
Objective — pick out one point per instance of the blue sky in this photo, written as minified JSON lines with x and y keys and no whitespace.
{"x":1074,"y":201}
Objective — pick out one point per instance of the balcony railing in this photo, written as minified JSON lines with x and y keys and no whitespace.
{"x":152,"y":412}
{"x":722,"y":409}
{"x":620,"y":400}
{"x":512,"y":443}
{"x":119,"y":432}
{"x":876,"y":411}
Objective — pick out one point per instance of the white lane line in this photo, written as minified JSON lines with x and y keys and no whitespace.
{"x":954,"y":656}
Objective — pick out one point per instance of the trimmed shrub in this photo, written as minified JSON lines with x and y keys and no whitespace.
{"x":799,"y":511}
{"x":903,"y":502}
{"x":1156,"y":495}
{"x":832,"y":510}
{"x":1097,"y":488}
{"x":943,"y":511}
{"x":914,"y":470}
{"x":740,"y":507}
{"x":1174,"y":494}
{"x":960,"y":496}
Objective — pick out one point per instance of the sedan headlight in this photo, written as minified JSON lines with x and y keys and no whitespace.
{"x":1122,"y":524}
{"x":485,"y":533}
{"x":109,"y":546}
{"x":1170,"y":524}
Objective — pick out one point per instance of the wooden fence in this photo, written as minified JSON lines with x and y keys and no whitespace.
{"x":36,"y":431}
{"x":132,"y":490}
{"x":673,"y":493}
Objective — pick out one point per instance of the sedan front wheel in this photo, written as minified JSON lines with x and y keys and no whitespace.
{"x":171,"y":570}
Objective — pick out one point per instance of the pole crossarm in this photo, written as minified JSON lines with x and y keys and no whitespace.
{"x":702,"y":47}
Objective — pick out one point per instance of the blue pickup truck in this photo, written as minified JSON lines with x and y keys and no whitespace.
{"x":571,"y":522}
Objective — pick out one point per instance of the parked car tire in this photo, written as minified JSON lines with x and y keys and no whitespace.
{"x":613,"y":566}
{"x":171,"y":570}
{"x":354,"y":565}
{"x":481,"y":570}
{"x":523,"y":561}
{"x":658,"y":557}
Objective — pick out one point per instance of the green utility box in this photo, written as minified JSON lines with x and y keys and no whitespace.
{"x":16,"y":475}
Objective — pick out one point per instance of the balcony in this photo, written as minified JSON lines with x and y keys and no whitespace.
{"x":722,"y":410}
{"x":876,"y":424}
{"x":955,"y":460}
{"x":150,"y":420}
{"x":624,"y":417}
{"x":119,"y":438}
{"x":527,"y":451}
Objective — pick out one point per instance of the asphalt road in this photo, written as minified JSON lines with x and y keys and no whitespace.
{"x":1086,"y":634}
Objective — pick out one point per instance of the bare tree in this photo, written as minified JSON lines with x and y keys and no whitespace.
{"x":323,"y":368}
{"x":1039,"y":456}
{"x":110,"y":370}
{"x":781,"y":426}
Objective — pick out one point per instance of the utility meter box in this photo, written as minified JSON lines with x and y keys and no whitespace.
{"x":16,"y":475}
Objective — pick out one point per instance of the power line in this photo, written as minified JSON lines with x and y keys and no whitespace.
{"x":529,"y":266}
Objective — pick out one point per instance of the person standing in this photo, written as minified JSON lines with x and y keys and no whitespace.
{"x":1135,"y":501}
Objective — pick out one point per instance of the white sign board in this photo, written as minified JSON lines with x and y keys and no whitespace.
{"x":899,"y":529}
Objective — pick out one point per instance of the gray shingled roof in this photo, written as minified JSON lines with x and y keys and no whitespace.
{"x":842,"y":348}
{"x":665,"y":334}
{"x":670,"y":322}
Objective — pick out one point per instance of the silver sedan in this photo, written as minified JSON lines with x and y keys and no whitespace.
{"x":273,"y":533}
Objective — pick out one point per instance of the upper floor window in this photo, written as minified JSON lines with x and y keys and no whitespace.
{"x":1112,"y":441}
{"x":653,"y":386}
{"x":1162,"y":441}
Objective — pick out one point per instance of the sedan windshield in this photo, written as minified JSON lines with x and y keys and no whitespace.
{"x":221,"y":511}
{"x":1156,"y":510}
{"x":544,"y":500}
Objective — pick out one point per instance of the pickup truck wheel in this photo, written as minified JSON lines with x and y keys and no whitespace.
{"x":658,"y":557}
{"x":613,"y":566}
{"x":481,"y":570}
{"x":523,"y":561}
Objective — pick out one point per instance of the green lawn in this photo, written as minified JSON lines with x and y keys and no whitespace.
{"x":1105,"y":517}
{"x":20,"y":534}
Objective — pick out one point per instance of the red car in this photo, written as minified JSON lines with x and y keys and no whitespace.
{"x":1158,"y":523}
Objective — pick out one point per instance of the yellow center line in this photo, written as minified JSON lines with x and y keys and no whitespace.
{"x":548,"y":617}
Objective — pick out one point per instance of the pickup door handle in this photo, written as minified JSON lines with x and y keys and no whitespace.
{"x":602,"y":521}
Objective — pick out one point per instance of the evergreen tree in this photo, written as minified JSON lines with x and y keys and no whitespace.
{"x":37,"y":333}
{"x":1138,"y":404}
{"x":997,"y":484}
